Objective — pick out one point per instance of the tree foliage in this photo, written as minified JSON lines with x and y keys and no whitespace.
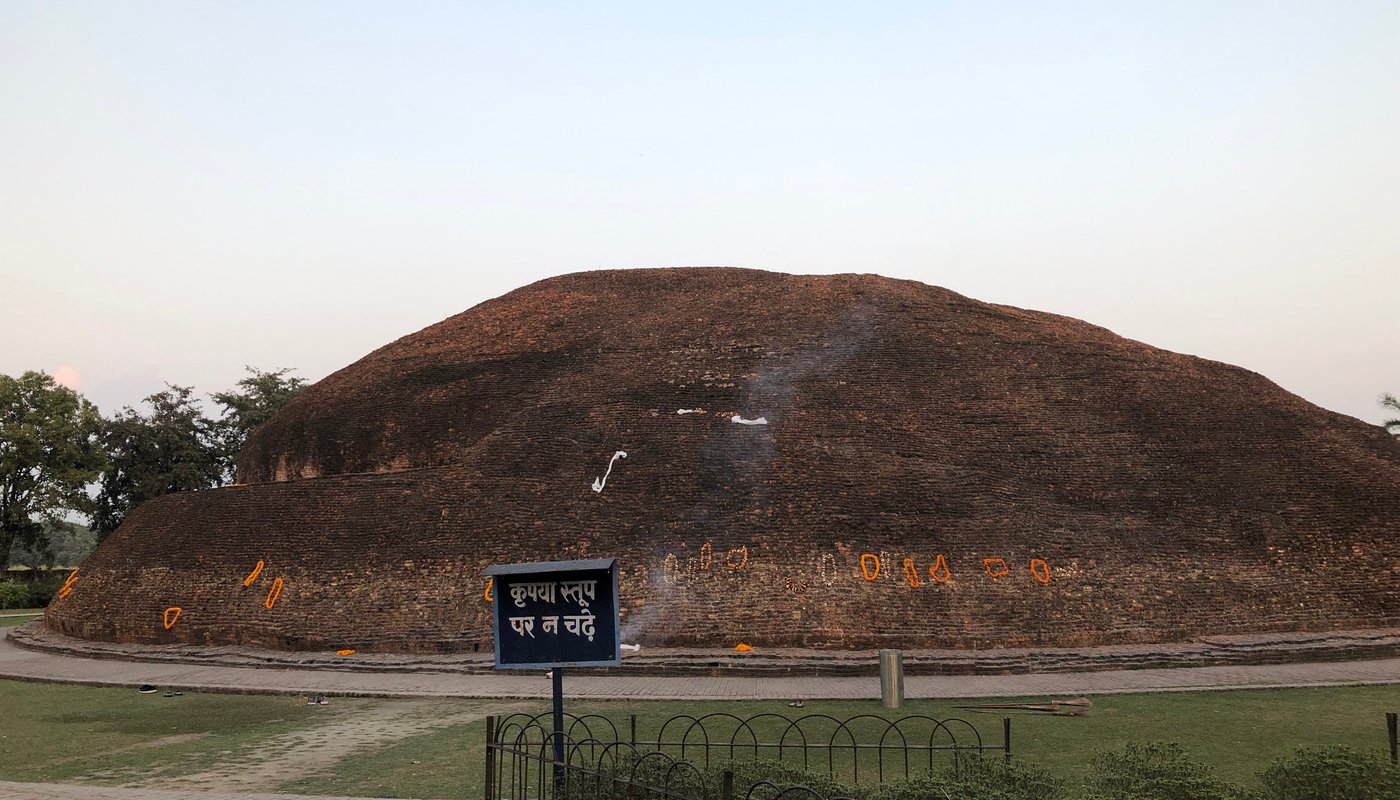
{"x":176,"y":448}
{"x":258,"y":397}
{"x":1391,"y":403}
{"x":63,"y":544}
{"x":173,"y":448}
{"x":49,"y":452}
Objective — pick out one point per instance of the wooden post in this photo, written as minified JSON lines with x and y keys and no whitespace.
{"x":632,"y":720}
{"x":1390,"y":726}
{"x":726,"y":790}
{"x":490,"y":758}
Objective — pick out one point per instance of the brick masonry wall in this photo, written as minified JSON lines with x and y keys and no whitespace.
{"x":935,"y":472}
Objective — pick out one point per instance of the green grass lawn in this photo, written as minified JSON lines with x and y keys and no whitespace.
{"x":11,"y":617}
{"x":57,"y":732}
{"x":86,"y":734}
{"x":1239,"y":732}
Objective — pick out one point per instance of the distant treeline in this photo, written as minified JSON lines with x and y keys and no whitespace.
{"x":59,"y":457}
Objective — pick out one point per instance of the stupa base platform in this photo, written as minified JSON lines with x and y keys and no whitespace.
{"x":1263,"y":648}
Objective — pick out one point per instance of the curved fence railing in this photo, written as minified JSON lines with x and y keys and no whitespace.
{"x":693,"y":758}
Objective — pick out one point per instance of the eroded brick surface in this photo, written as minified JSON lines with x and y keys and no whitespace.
{"x":935,"y":472}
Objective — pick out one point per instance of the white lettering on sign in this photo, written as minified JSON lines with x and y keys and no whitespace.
{"x":581,"y":625}
{"x":543,"y":592}
{"x":580,"y":591}
{"x":578,"y":625}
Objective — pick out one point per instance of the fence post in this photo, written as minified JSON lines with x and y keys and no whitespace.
{"x":726,"y":789}
{"x":490,"y":758}
{"x":557,"y":677}
{"x":632,"y":719}
{"x":1006,"y":737}
{"x":1390,"y":725}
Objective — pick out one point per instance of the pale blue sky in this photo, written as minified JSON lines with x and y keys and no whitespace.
{"x":186,"y":187}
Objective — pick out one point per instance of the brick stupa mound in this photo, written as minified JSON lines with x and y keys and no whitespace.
{"x":934,"y":472}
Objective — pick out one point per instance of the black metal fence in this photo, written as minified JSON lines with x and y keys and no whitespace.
{"x":693,"y":758}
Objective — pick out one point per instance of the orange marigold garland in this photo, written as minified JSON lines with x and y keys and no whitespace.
{"x":911,"y":574}
{"x":273,"y":593}
{"x":68,"y":585}
{"x":742,"y":550}
{"x":939,"y":572}
{"x":996,"y":571}
{"x":172,"y":616}
{"x":865,"y":572}
{"x":1040,"y":570}
{"x":252,"y":576}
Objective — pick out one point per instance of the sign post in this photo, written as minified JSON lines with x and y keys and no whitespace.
{"x":552,"y":615}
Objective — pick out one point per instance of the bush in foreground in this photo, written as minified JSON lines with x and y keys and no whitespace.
{"x":15,"y":595}
{"x":1139,"y":771}
{"x":978,"y":779}
{"x":1154,"y":771}
{"x":1331,"y":773}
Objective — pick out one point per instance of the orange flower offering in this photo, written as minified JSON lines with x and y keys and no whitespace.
{"x":273,"y":593}
{"x":742,"y":648}
{"x":252,"y":576}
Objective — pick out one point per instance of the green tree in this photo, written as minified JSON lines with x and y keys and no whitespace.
{"x":49,"y":452}
{"x":257,"y":398}
{"x":64,"y":544}
{"x":1392,"y":403}
{"x":174,"y":448}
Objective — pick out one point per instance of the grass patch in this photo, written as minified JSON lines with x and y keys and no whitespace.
{"x":77,"y":733}
{"x":1238,"y":732}
{"x":59,"y":732}
{"x":11,"y":617}
{"x":447,"y":763}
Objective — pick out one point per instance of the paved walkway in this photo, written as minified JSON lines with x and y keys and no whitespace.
{"x":39,"y":666}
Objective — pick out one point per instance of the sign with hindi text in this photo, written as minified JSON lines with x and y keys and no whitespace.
{"x":556,"y":614}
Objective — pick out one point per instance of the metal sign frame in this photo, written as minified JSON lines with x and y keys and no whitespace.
{"x":546,"y":570}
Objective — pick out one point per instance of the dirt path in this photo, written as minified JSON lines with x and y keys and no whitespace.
{"x":269,"y":764}
{"x":180,"y":738}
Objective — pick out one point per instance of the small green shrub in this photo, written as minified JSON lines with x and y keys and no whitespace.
{"x":978,"y":779}
{"x":684,"y":779}
{"x":751,"y":772}
{"x":1331,"y":773}
{"x":16,"y":595}
{"x":1154,"y":771}
{"x":41,"y":594}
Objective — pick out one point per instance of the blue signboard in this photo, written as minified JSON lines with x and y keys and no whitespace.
{"x":556,"y":614}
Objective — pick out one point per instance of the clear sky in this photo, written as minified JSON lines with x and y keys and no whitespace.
{"x":188,"y":187}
